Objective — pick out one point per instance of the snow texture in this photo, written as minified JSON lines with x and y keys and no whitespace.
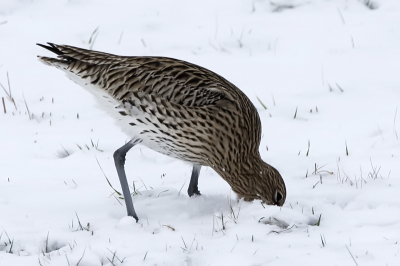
{"x":328,"y":75}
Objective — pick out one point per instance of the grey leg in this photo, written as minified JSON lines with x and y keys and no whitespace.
{"x":119,"y":159}
{"x":193,"y":189}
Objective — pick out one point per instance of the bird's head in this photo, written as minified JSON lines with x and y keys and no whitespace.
{"x":271,"y":189}
{"x":260,"y":181}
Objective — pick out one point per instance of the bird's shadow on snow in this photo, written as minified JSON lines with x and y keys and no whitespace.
{"x":167,"y":203}
{"x":168,"y":206}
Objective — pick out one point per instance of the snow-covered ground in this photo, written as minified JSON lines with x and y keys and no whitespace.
{"x":328,"y":73}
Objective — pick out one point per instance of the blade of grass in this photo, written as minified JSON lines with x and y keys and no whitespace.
{"x":47,"y":242}
{"x":93,"y":37}
{"x":81,"y":257}
{"x":319,"y":220}
{"x":341,"y":16}
{"x":181,"y":188}
{"x":109,"y":183}
{"x":65,"y":150}
{"x":340,"y":88}
{"x":351,"y":255}
{"x":27,"y":109}
{"x":263,"y":105}
{"x":8,"y":93}
{"x":4,"y":105}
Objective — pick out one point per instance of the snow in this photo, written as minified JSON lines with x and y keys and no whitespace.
{"x":335,"y":62}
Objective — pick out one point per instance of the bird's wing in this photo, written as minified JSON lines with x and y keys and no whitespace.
{"x":177,"y":81}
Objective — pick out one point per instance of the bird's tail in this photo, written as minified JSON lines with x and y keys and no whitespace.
{"x":60,"y":62}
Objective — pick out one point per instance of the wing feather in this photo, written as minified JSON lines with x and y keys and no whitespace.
{"x":176,"y":81}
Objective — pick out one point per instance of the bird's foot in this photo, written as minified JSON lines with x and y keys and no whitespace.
{"x":193,"y":191}
{"x":134,"y":216}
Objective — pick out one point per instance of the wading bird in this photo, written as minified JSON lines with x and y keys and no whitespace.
{"x":178,"y":109}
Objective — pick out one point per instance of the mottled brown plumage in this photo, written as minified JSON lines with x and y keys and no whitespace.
{"x":181,"y":110}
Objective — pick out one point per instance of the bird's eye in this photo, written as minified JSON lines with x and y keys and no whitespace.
{"x":278,"y":196}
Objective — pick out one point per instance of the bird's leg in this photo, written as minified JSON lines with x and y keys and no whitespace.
{"x":119,"y":159}
{"x":193,"y":189}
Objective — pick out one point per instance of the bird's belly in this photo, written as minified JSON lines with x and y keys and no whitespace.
{"x":171,"y":147}
{"x":141,"y":125}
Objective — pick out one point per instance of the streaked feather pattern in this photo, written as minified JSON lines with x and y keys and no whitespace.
{"x":181,"y":110}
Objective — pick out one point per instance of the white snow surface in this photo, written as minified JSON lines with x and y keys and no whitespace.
{"x":328,"y":73}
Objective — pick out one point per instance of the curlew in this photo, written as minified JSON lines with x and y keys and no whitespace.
{"x":178,"y":109}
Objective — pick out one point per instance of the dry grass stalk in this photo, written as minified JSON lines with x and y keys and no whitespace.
{"x":8,"y":93}
{"x":4,"y":105}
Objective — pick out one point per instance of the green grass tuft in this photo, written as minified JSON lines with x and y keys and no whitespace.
{"x":319,"y":220}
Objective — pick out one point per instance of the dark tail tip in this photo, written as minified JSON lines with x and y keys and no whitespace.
{"x":51,"y":47}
